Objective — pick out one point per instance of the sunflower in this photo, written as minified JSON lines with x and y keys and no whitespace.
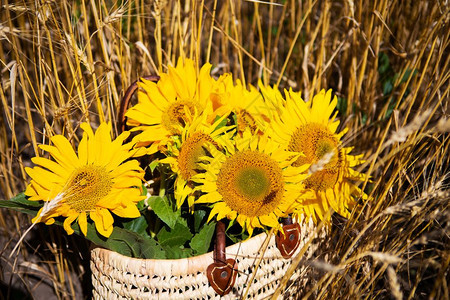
{"x":185,"y":154}
{"x":273,"y":99}
{"x":311,"y":129}
{"x":247,"y":105}
{"x":252,"y":182}
{"x":165,"y":107}
{"x":92,"y":184}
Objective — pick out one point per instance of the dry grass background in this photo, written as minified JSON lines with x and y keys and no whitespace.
{"x":66,"y":62}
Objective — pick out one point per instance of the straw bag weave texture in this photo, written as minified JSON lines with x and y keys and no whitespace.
{"x":115,"y":276}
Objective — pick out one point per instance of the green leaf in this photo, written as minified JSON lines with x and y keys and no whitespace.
{"x":201,"y":241}
{"x":123,"y":241}
{"x":408,"y":74}
{"x":387,"y":87}
{"x":383,"y":63}
{"x":154,"y":164}
{"x":236,"y":233}
{"x":141,"y":205}
{"x":199,"y":219}
{"x":175,"y":237}
{"x":222,"y":123}
{"x":391,"y":106}
{"x":144,"y":190}
{"x":22,"y":204}
{"x":141,"y":247}
{"x":234,"y":118}
{"x":14,"y":206}
{"x":342,"y":105}
{"x":138,"y":225}
{"x":163,"y":209}
{"x":274,"y":30}
{"x":177,"y":252}
{"x":363,"y":117}
{"x":21,"y":198}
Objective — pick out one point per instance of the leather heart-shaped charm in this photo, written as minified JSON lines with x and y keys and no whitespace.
{"x":221,"y":276}
{"x":288,"y":242}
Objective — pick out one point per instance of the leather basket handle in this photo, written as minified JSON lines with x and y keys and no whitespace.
{"x":127,"y":99}
{"x":222,"y":272}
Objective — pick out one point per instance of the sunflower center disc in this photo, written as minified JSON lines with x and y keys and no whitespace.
{"x":178,"y":114}
{"x":190,"y":154}
{"x":86,"y":187}
{"x":316,"y":141}
{"x":251,"y":183}
{"x":244,"y":120}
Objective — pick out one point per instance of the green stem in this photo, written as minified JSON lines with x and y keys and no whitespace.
{"x":162,"y":184}
{"x":162,"y":193}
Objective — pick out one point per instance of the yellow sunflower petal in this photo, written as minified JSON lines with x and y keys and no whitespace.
{"x":83,"y":150}
{"x":309,"y":128}
{"x":213,"y":213}
{"x":166,"y":107}
{"x":151,"y":99}
{"x":269,"y":220}
{"x":44,"y":177}
{"x":103,"y":144}
{"x":66,"y":150}
{"x":129,"y":211}
{"x":51,"y":166}
{"x":68,"y":223}
{"x":37,"y":218}
{"x":49,"y":221}
{"x":144,"y":116}
{"x":56,"y":154}
{"x":127,"y":168}
{"x":127,"y":182}
{"x":222,"y":210}
{"x":106,"y":227}
{"x":37,"y":192}
{"x":87,"y":129}
{"x":87,"y":187}
{"x":82,"y":221}
{"x":249,"y":184}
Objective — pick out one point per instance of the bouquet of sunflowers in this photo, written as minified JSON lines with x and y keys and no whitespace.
{"x":198,"y":151}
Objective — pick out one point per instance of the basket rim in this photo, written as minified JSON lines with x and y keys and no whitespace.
{"x":176,"y":267}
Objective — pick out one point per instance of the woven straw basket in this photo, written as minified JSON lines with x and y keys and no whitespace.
{"x":115,"y":276}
